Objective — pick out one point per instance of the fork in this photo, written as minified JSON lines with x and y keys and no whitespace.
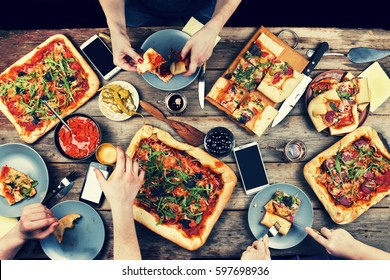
{"x":274,"y":230}
{"x":66,"y":181}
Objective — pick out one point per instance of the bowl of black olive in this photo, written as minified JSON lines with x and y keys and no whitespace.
{"x":219,"y":141}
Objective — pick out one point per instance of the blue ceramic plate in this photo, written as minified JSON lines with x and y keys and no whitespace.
{"x":26,"y":160}
{"x":162,"y":42}
{"x":304,"y":216}
{"x":84,"y":241}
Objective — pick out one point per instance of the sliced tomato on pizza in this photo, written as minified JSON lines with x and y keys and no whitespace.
{"x":226,"y":94}
{"x":282,"y":208}
{"x":151,"y":61}
{"x":255,"y":113}
{"x":263,"y":52}
{"x":280,"y":81}
{"x":15,"y":185}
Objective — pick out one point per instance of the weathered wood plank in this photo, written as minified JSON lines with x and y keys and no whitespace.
{"x":230,"y":237}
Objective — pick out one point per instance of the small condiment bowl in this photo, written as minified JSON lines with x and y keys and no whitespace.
{"x":219,"y":141}
{"x":106,"y":153}
{"x":59,"y":137}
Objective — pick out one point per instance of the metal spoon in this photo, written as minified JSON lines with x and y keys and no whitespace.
{"x":58,"y":116}
{"x":359,"y":55}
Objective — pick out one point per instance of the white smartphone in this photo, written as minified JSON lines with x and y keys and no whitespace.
{"x":91,"y":192}
{"x":100,"y":56}
{"x":251,"y":167}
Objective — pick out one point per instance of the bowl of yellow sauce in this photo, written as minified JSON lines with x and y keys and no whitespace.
{"x":106,"y":153}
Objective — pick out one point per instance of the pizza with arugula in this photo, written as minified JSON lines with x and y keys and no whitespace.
{"x":185,"y":189}
{"x":53,"y":71}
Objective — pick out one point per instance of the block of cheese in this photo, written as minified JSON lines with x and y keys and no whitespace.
{"x":378,"y":83}
{"x":6,"y":224}
{"x":193,"y":25}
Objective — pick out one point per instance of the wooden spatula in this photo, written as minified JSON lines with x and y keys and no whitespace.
{"x":192,"y":135}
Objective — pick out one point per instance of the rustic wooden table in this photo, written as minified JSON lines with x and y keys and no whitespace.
{"x":231,"y":234}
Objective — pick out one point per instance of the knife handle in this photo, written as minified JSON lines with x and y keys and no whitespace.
{"x":319,"y":52}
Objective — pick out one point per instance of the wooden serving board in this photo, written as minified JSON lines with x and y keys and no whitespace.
{"x":296,"y":60}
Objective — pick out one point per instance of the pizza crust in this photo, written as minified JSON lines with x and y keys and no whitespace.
{"x":317,"y":108}
{"x":170,"y":232}
{"x":280,"y":91}
{"x":93,"y":82}
{"x":339,"y":213}
{"x":346,"y":129}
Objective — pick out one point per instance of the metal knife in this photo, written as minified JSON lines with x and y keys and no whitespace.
{"x":290,"y":102}
{"x":202,"y":85}
{"x":59,"y":195}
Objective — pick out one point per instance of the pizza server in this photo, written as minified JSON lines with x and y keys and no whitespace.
{"x":290,"y":101}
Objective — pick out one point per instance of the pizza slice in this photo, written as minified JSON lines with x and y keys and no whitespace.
{"x":15,"y":185}
{"x":226,"y":94}
{"x":282,"y":207}
{"x":327,"y":110}
{"x":246,"y":75}
{"x":63,"y":224}
{"x":263,"y":52}
{"x":163,"y":72}
{"x":322,"y":109}
{"x":280,"y":81}
{"x":323,"y":85}
{"x":185,"y":189}
{"x":255,"y":113}
{"x":151,"y":60}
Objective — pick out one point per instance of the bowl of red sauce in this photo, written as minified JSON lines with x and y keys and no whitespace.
{"x":85,"y":138}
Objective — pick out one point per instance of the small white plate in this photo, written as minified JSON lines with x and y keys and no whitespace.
{"x":105,"y":107}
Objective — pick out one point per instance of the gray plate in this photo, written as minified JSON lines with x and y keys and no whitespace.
{"x":84,"y":241}
{"x":163,"y":41}
{"x":27,"y":160}
{"x":304,"y":216}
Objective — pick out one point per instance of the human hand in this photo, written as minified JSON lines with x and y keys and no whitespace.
{"x":258,"y":251}
{"x":36,"y":222}
{"x":338,"y":242}
{"x":122,"y":186}
{"x":124,"y":55}
{"x":200,"y":47}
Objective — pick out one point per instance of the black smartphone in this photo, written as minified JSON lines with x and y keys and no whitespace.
{"x":91,"y":192}
{"x":251,"y":167}
{"x":100,"y":56}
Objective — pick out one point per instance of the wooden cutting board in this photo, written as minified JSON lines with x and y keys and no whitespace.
{"x":190,"y":134}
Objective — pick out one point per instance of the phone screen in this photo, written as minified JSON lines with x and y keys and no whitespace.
{"x":91,"y":190}
{"x":100,"y":55}
{"x":251,"y":167}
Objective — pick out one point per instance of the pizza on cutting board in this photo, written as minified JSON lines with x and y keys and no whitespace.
{"x":352,"y":175}
{"x":53,"y":71}
{"x":185,"y":189}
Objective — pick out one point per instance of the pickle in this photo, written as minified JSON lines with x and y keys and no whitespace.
{"x":108,"y":100}
{"x":116,"y":109}
{"x":124,"y":93}
{"x":107,"y":94}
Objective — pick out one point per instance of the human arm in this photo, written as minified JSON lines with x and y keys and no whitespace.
{"x":124,"y":55}
{"x":258,"y":251}
{"x":36,"y":222}
{"x":120,"y":189}
{"x":340,"y":243}
{"x":201,"y":44}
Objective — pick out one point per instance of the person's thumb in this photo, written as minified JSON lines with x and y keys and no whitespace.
{"x":100,"y":177}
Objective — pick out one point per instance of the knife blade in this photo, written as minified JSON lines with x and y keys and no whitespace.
{"x":59,"y":195}
{"x":202,"y":85}
{"x":290,"y":102}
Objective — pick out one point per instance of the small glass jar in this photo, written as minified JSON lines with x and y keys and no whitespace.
{"x":295,"y":150}
{"x":176,"y":103}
